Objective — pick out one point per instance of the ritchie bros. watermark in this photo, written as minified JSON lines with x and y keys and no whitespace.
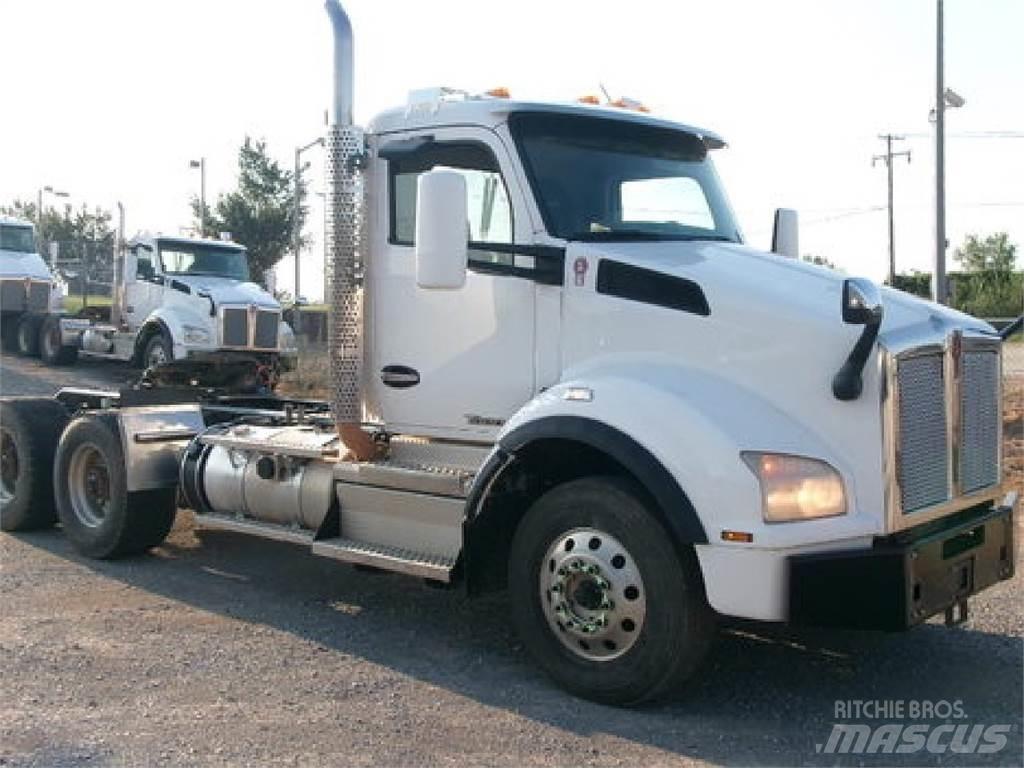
{"x":910,"y":726}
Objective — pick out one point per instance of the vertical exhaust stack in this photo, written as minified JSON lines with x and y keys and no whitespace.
{"x":345,"y":238}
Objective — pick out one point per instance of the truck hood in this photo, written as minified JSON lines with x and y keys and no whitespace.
{"x":226,"y":290}
{"x":742,"y":282}
{"x":14,"y":264}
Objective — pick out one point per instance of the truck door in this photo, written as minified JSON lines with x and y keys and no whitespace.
{"x":449,"y":363}
{"x":144,"y":289}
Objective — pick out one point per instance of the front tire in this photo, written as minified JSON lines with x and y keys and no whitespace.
{"x":30,"y":428}
{"x":601,"y":597}
{"x":100,"y":516}
{"x":158,"y":350}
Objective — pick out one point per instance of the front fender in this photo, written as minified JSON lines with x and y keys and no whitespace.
{"x":695,"y":424}
{"x":173,"y":320}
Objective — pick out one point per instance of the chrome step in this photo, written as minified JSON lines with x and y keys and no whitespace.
{"x":255,"y":528}
{"x":434,"y":480}
{"x":435,"y":567}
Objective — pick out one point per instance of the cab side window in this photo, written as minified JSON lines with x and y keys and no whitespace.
{"x":490,"y":211}
{"x":144,"y":264}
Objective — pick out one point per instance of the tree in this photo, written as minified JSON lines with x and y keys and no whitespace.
{"x":993,"y":254}
{"x":259,"y":214}
{"x":72,"y":229}
{"x":988,"y":286}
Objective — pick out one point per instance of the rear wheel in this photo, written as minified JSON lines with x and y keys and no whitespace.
{"x":100,"y":516}
{"x":28,"y":335}
{"x":51,"y":348}
{"x":9,"y":333}
{"x":29,"y":431}
{"x":601,"y":597}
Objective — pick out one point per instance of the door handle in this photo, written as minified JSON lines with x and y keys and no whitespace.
{"x":399,"y":376}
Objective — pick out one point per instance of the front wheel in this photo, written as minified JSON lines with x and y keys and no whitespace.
{"x":158,"y":351}
{"x":601,"y":597}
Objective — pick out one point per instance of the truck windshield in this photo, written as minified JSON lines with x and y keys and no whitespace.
{"x":182,"y":258}
{"x":17,"y":239}
{"x":606,"y":179}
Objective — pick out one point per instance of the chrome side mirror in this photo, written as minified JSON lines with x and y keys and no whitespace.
{"x":861,"y":305}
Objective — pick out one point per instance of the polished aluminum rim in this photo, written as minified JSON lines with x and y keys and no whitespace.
{"x":592,"y":594}
{"x":89,"y":486}
{"x":9,"y":465}
{"x":157,"y":355}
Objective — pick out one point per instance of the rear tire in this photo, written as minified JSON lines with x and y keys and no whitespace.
{"x":9,"y":332}
{"x":51,"y":349}
{"x":602,"y":598}
{"x":30,"y":429}
{"x":100,"y":516}
{"x":28,"y":335}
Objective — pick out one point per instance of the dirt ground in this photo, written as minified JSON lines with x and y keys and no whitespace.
{"x":219,"y":649}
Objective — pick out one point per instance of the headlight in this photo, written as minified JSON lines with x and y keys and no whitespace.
{"x":796,"y":488}
{"x":195,"y":334}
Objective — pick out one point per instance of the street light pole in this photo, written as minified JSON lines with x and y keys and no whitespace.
{"x":939,"y":289}
{"x":297,"y":230}
{"x":201,"y":165}
{"x":39,"y":205}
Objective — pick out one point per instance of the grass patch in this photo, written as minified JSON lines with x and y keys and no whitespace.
{"x":74,"y":303}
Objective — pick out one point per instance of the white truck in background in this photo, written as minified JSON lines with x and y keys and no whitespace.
{"x":27,"y":288}
{"x":173,"y":299}
{"x":584,"y":387}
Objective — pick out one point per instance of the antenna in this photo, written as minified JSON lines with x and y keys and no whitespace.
{"x":607,"y":98}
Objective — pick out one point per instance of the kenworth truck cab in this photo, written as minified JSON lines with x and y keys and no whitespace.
{"x":584,"y":388}
{"x":176,"y":298}
{"x":26,"y":285}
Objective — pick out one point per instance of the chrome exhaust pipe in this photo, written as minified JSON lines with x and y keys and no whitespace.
{"x":345,"y":237}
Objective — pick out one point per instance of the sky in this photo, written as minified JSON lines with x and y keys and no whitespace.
{"x":110,"y":99}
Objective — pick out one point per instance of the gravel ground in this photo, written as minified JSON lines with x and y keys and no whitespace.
{"x":218,"y":649}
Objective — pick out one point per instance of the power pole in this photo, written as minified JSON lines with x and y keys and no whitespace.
{"x":939,"y":279}
{"x":889,"y":138}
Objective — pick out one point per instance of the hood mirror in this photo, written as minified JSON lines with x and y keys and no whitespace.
{"x":862,"y":302}
{"x":862,"y":305}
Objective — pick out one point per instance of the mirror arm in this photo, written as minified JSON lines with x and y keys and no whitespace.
{"x":848,"y":382}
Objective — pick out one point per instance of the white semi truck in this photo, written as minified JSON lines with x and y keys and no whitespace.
{"x":583,"y":387}
{"x":175,"y":298}
{"x":27,"y":288}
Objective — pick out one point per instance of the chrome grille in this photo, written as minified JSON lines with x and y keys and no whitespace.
{"x":979,"y":419}
{"x":922,"y":456}
{"x":265,"y":332}
{"x":235,"y":327}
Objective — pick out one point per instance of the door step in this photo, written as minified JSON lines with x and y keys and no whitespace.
{"x":435,"y":567}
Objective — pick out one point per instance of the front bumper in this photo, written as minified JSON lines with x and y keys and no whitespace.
{"x":905,"y":578}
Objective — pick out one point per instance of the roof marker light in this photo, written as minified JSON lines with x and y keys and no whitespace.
{"x":500,"y":92}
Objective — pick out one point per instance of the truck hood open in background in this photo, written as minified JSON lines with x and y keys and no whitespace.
{"x":14,"y":264}
{"x":226,"y":290}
